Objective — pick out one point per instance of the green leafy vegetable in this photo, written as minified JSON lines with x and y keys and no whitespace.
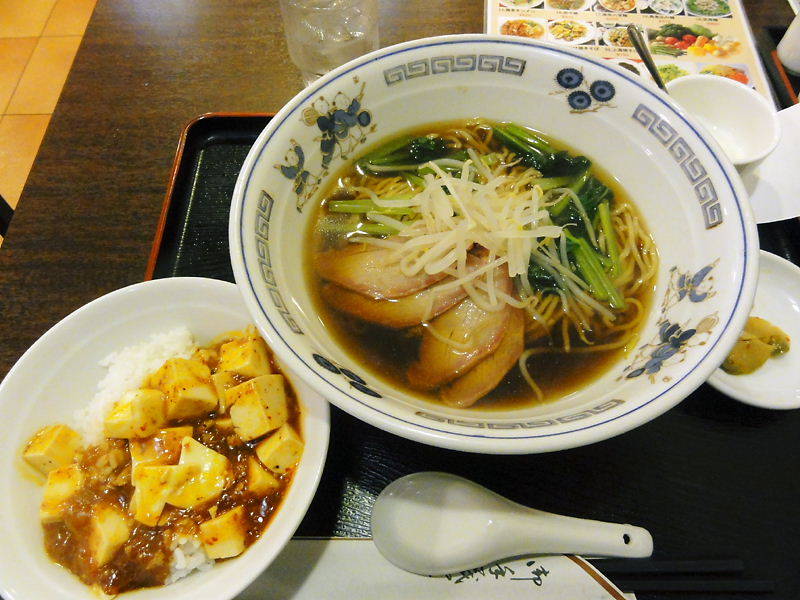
{"x":533,"y":151}
{"x":414,"y":180}
{"x":423,"y":149}
{"x":699,"y":30}
{"x":365,"y":206}
{"x":386,"y":153}
{"x":590,"y":266}
{"x":549,"y":183}
{"x":604,"y":214}
{"x":406,"y":150}
{"x":540,"y":279}
{"x":347,"y":226}
{"x":670,"y":30}
{"x":591,"y":192}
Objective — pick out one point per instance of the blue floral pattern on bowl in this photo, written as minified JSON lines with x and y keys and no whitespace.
{"x":343,"y":124}
{"x":355,"y":381}
{"x":582,"y":95}
{"x":670,"y":344}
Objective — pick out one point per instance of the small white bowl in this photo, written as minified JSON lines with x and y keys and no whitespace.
{"x":743,"y":121}
{"x":776,"y":384}
{"x":59,"y":374}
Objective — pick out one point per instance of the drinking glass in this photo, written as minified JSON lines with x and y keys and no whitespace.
{"x":323,"y":34}
{"x":789,"y":48}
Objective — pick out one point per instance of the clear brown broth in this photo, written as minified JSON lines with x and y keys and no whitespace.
{"x":386,"y":354}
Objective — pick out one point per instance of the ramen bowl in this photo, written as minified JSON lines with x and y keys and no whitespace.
{"x":686,"y":189}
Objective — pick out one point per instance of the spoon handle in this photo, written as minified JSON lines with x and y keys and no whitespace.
{"x":640,"y":45}
{"x":568,"y":535}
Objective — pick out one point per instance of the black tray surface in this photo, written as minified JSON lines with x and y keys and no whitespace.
{"x":712,"y":478}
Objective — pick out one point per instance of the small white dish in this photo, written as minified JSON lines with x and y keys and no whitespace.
{"x":59,"y":374}
{"x":776,"y":384}
{"x":743,"y":121}
{"x":773,"y":195}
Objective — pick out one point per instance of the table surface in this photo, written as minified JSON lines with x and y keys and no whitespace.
{"x":89,"y":212}
{"x":144,"y":69}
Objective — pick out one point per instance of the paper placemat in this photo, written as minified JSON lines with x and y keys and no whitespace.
{"x":597,"y":28}
{"x":353,"y":569}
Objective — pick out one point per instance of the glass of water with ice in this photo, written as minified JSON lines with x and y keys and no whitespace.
{"x":323,"y":34}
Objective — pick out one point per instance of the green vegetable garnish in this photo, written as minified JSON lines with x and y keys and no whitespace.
{"x":537,"y":153}
{"x":591,"y":269}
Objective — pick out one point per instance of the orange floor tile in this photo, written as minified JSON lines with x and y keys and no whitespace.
{"x":69,"y":17}
{"x":40,"y":85}
{"x":20,"y":136}
{"x":24,"y":18}
{"x":38,"y":42}
{"x":14,"y":55}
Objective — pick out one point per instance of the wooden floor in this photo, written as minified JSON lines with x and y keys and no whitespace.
{"x":38,"y":41}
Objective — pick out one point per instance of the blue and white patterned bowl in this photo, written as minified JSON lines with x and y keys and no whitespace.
{"x":688,"y":192}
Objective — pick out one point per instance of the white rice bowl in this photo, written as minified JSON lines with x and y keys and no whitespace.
{"x":59,"y":376}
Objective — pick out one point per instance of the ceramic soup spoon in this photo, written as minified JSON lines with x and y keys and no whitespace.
{"x":436,"y":524}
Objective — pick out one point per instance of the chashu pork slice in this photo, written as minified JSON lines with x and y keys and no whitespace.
{"x":395,"y":314}
{"x":475,"y":333}
{"x":371,"y":271}
{"x":399,"y":313}
{"x":487,"y":374}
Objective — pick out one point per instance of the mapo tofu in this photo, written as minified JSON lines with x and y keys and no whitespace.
{"x":194,"y":462}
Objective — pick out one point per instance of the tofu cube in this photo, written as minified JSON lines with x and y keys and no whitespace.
{"x":163,"y":448}
{"x":250,"y":418}
{"x":247,"y":356}
{"x":148,"y":411}
{"x":260,"y":481}
{"x":223,"y":381}
{"x":281,"y":451}
{"x":224,"y":536}
{"x":62,"y":483}
{"x":154,"y":484}
{"x":109,"y":528}
{"x":258,"y":406}
{"x":52,"y":447}
{"x":211,"y":474}
{"x":119,"y":422}
{"x":208,"y":356}
{"x":187,"y":384}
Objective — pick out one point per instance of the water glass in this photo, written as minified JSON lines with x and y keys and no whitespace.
{"x":323,"y":34}
{"x":789,"y":48}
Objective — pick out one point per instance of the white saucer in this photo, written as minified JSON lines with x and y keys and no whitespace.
{"x":776,"y":384}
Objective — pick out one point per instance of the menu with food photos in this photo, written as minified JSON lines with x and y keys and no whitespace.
{"x":710,"y":37}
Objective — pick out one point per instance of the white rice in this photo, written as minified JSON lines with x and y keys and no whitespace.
{"x":127,"y":370}
{"x":187,"y":555}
